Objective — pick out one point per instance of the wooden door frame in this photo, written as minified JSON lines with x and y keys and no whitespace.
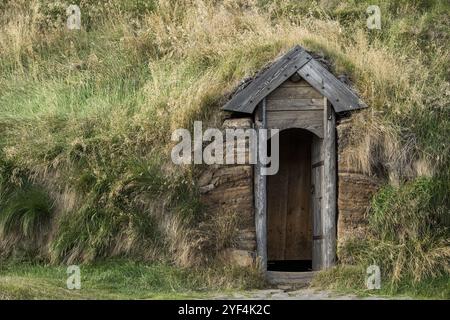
{"x":329,"y":199}
{"x":261,"y":195}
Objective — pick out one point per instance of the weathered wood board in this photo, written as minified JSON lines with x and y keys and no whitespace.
{"x":261,"y":197}
{"x":316,"y":200}
{"x":311,"y":120}
{"x":289,"y":232}
{"x":329,"y":188}
{"x":295,"y":104}
{"x":294,"y":92}
{"x":342,"y":98}
{"x":247,"y":99}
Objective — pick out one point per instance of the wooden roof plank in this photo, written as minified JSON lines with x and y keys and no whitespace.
{"x":339,"y":95}
{"x":246,"y":100}
{"x":297,"y":60}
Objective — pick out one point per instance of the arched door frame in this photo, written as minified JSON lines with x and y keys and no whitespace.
{"x":324,"y":248}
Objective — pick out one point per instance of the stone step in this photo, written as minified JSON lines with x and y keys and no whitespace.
{"x":298,"y":278}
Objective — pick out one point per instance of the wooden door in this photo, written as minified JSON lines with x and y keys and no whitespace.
{"x":289,"y":218}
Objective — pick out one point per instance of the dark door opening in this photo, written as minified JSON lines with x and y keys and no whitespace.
{"x":289,"y":216}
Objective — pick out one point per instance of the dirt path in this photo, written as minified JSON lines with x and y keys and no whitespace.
{"x":293,"y":294}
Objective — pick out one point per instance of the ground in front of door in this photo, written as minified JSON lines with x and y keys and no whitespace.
{"x":289,"y":293}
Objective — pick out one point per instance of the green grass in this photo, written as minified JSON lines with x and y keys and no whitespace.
{"x":122,"y":279}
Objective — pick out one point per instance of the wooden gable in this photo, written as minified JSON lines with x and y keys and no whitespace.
{"x":295,"y":61}
{"x":295,"y":105}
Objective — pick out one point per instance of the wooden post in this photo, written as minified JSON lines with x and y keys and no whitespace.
{"x":329,"y":185}
{"x":261,"y":196}
{"x":316,"y":201}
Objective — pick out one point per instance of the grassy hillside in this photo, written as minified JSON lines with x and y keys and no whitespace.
{"x":86,"y":118}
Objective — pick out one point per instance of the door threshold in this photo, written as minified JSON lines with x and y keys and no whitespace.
{"x":289,"y":277}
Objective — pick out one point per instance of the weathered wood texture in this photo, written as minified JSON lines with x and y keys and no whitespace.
{"x":342,"y":98}
{"x":296,"y":61}
{"x":329,"y":188}
{"x":289,"y":220}
{"x":260,"y":197}
{"x":294,"y":92}
{"x":295,"y":105}
{"x":316,"y":200}
{"x":299,"y":278}
{"x":247,"y":99}
{"x":311,"y":120}
{"x":299,"y":105}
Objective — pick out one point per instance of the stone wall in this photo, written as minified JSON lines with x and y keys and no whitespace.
{"x":229,"y":189}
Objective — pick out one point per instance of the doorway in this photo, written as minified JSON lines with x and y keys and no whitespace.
{"x":289,"y":209}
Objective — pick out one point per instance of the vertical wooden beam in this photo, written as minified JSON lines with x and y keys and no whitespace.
{"x":329,"y":185}
{"x":316,"y":201}
{"x":261,"y":196}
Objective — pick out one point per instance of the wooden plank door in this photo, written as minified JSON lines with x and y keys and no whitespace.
{"x":289,"y":224}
